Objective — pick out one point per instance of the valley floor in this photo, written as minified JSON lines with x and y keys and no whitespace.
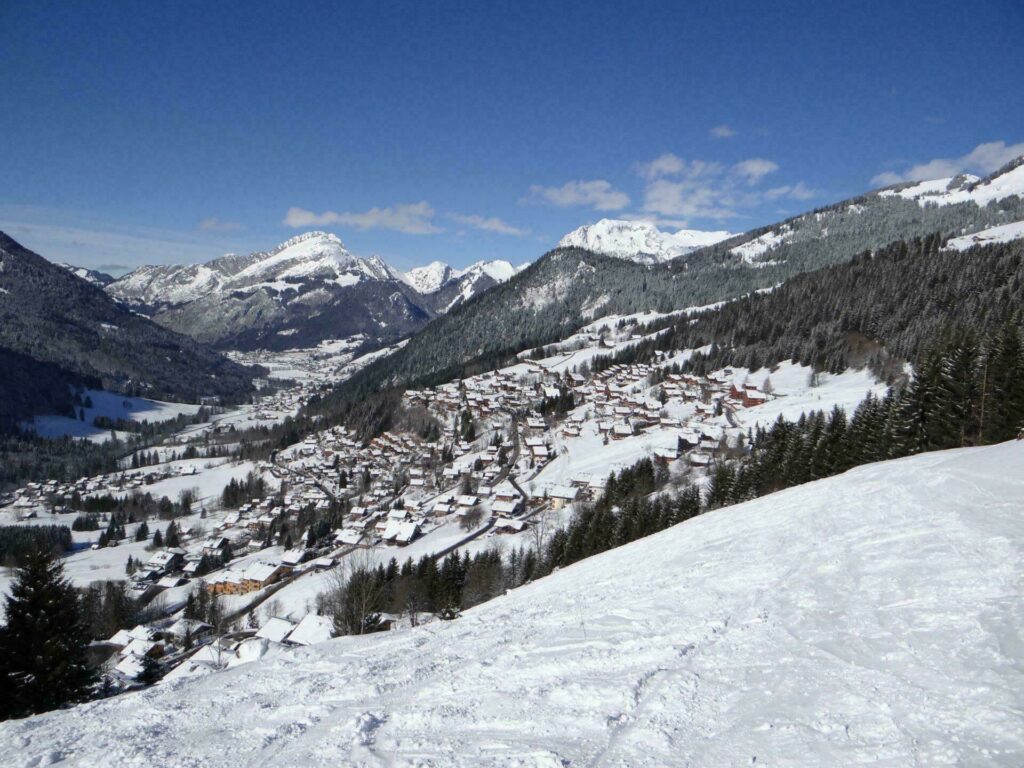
{"x":873,"y":618}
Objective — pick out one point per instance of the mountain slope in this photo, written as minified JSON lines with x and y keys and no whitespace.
{"x":54,"y":321}
{"x":568,"y":287}
{"x":102,"y":279}
{"x":954,"y":206}
{"x":308,"y":289}
{"x":639,"y":241}
{"x":851,"y":621}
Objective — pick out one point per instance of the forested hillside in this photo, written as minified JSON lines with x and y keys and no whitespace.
{"x":56,"y":329}
{"x":880,"y":309}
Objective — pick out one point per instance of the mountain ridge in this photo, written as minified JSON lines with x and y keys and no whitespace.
{"x":307,"y":289}
{"x":639,"y":241}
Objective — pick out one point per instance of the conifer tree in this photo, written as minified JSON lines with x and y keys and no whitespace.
{"x":42,"y":645}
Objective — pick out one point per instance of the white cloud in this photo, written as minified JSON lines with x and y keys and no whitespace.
{"x":798,"y":191}
{"x":412,"y":218}
{"x":488,"y":224}
{"x":678,"y":189}
{"x":213,"y":224}
{"x":598,"y":194}
{"x":722,"y":132}
{"x":983,"y":159}
{"x":669,"y":165}
{"x":755,"y":169}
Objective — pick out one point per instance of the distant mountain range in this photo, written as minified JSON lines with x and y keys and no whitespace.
{"x":639,"y":241}
{"x":308,"y":289}
{"x":59,"y":331}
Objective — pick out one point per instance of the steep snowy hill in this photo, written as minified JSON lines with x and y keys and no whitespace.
{"x":639,"y":241}
{"x":873,"y":618}
{"x":308,"y":289}
{"x":962,"y":205}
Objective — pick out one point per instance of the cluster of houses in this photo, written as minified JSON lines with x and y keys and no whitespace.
{"x":31,"y":499}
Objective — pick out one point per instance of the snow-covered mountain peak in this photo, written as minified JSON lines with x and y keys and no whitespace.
{"x":639,"y":241}
{"x":429,"y":278}
{"x":436,"y":275}
{"x":310,"y":255}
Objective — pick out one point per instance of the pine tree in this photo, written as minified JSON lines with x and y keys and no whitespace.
{"x":42,"y":645}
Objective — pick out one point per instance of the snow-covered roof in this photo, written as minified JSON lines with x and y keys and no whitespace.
{"x":276,"y":629}
{"x":312,"y":629}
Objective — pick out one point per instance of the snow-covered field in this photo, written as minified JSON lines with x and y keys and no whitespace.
{"x":795,"y":393}
{"x":870,"y":619}
{"x":112,"y":406}
{"x":1004,"y":233}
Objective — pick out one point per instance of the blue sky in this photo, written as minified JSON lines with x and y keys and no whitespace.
{"x":171,"y":132}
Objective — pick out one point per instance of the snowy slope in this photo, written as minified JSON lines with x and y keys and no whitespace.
{"x":1007,"y":181}
{"x":429,"y":278}
{"x":871,"y":619}
{"x":1001,"y":234}
{"x":638,"y":240}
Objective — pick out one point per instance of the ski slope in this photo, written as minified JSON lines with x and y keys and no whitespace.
{"x":875,"y":618}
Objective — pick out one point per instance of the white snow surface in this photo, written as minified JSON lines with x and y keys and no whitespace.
{"x":1004,"y":233}
{"x":873,"y":618}
{"x":751,"y":250}
{"x":639,"y":240}
{"x":437,"y":274}
{"x":964,"y":188}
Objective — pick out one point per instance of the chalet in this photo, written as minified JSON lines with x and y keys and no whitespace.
{"x":348,"y":537}
{"x":255,"y":576}
{"x":216,"y":547}
{"x":506,"y":508}
{"x":189,"y":628}
{"x":407,"y":533}
{"x":561,"y":495}
{"x":699,"y":459}
{"x":166,"y":561}
{"x":294,"y":557}
{"x":510,"y":526}
{"x":619,"y":431}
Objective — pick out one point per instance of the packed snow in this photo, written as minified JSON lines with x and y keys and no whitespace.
{"x":872,"y":619}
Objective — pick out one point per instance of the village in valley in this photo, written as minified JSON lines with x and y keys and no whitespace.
{"x":231,"y":558}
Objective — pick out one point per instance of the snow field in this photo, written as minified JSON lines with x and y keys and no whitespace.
{"x":872,"y":618}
